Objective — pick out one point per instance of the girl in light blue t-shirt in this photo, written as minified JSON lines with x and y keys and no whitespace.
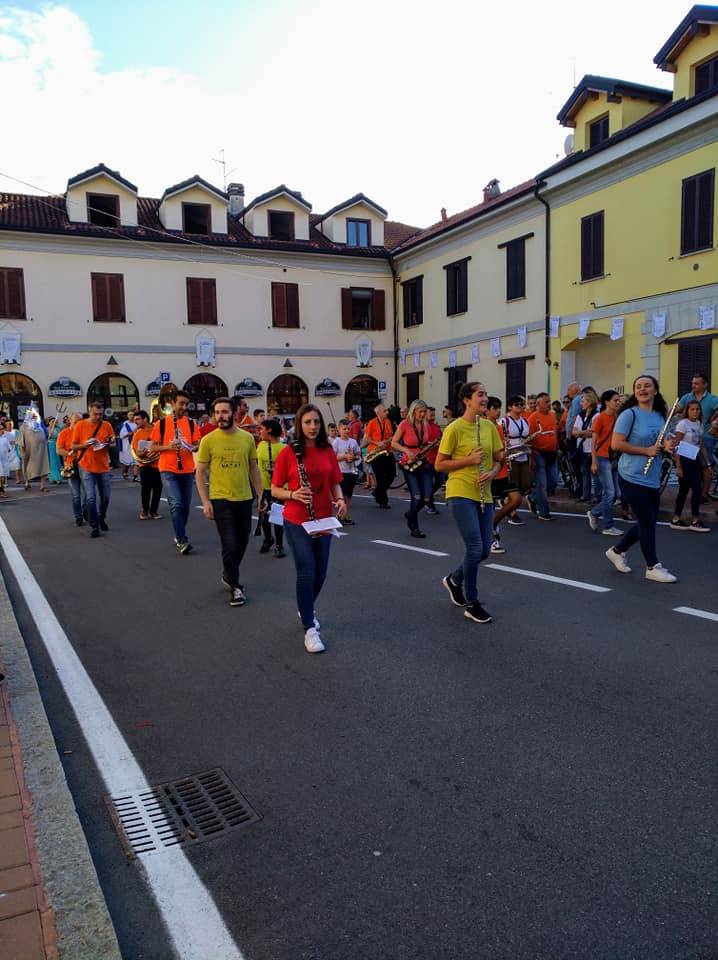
{"x":639,"y":469}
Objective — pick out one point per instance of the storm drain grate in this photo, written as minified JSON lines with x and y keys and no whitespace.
{"x":180,"y":812}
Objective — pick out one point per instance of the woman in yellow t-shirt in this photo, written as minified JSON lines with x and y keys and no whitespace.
{"x":470,"y":453}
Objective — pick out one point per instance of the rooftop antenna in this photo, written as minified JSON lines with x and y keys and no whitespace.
{"x":223,"y":164}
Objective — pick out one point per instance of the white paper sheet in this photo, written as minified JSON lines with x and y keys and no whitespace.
{"x":688,"y":450}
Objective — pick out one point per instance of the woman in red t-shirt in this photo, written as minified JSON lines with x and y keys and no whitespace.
{"x":311,"y":553}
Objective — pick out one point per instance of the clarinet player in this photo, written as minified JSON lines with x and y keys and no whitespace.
{"x":176,"y":438}
{"x":308,"y":480}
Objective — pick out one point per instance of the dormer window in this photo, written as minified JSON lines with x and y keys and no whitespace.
{"x":358,"y":233}
{"x":196,"y":218}
{"x":707,"y":76}
{"x":281,"y":225}
{"x":598,"y":131}
{"x":103,"y":210}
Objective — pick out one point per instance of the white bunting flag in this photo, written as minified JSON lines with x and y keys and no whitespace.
{"x":617,"y":328}
{"x":521,"y":336}
{"x":474,"y":353}
{"x":452,"y":358}
{"x":496,"y":347}
{"x":402,"y":357}
{"x":583,"y":327}
{"x":433,"y":359}
{"x":658,"y":325}
{"x":416,"y":359}
{"x":706,"y":317}
{"x":554,"y":325}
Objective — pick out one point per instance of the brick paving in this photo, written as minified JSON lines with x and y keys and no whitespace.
{"x":27,"y":930}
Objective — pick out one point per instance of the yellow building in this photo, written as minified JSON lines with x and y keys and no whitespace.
{"x":633,"y":278}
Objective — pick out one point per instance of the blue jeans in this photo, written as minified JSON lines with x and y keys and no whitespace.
{"x":476,"y":527}
{"x":311,"y":559}
{"x":97,"y":486}
{"x":77,"y":492}
{"x":421,"y":489}
{"x":545,"y":479}
{"x":609,"y":492}
{"x":179,"y":487}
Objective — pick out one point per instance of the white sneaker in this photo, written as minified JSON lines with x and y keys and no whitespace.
{"x":660,"y":574}
{"x":313,"y":642}
{"x":592,"y":521}
{"x":618,"y":560}
{"x":612,"y":532}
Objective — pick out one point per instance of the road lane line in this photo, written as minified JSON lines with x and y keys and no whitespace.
{"x":190,"y":915}
{"x":693,"y":612}
{"x":547,"y":576}
{"x":405,"y":546}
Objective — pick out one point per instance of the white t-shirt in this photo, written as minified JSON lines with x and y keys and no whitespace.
{"x":347,"y":446}
{"x":586,"y":443}
{"x":692,"y":431}
{"x":515,"y":432}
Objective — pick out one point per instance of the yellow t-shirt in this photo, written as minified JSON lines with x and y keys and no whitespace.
{"x":458,"y":441}
{"x":228,"y":456}
{"x":263,"y":460}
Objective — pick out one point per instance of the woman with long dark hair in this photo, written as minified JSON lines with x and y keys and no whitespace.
{"x":410,"y":436}
{"x":315,"y":462}
{"x":470,"y":453}
{"x":635,"y":437}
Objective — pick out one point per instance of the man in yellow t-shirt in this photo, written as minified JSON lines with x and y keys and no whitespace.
{"x":227,"y":472}
{"x":470,"y":453}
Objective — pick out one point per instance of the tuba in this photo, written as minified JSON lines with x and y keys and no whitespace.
{"x":163,"y":406}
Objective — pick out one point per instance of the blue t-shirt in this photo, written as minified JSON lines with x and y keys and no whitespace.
{"x":640,"y":429}
{"x":708,"y":405}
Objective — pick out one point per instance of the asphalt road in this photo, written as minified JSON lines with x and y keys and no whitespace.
{"x":541,"y":787}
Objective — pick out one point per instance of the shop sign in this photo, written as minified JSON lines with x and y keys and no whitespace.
{"x":153,"y":388}
{"x":327,"y":388}
{"x":249,"y":388}
{"x":64,"y":388}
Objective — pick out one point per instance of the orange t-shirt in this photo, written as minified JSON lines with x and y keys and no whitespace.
{"x":504,"y":471}
{"x":544,"y":421}
{"x":375,"y":433}
{"x":603,"y":424}
{"x":94,"y":461}
{"x":143,"y":433}
{"x":64,"y":442}
{"x":163,"y":434}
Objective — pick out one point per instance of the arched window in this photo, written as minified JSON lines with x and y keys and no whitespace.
{"x":117,"y":394}
{"x":286,"y":394}
{"x":203,"y":388}
{"x":16,"y":393}
{"x":363,"y":392}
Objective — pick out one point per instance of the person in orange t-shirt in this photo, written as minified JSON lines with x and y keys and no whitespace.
{"x":377,"y":436}
{"x":92,"y":439}
{"x":503,"y":487}
{"x":545,"y":448}
{"x":64,"y":450}
{"x":176,"y":438}
{"x":150,"y":479}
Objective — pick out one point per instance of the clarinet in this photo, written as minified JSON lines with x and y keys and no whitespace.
{"x":177,"y":437}
{"x":303,"y":478}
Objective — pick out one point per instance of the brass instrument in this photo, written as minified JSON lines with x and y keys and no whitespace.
{"x":661,"y":435}
{"x":420,"y":459}
{"x":144,"y":458}
{"x":381,"y":451}
{"x":163,"y":403}
{"x":522,"y":449}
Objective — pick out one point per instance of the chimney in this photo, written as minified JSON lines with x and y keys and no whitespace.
{"x":491,"y":190}
{"x":443,"y":214}
{"x":235,"y":192}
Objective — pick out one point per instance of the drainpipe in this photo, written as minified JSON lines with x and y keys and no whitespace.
{"x":396,"y":333}
{"x":547,"y":284}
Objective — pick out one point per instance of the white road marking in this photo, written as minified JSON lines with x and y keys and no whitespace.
{"x":547,"y":576}
{"x":405,"y":546}
{"x":190,"y":915}
{"x":693,"y":612}
{"x":582,"y":516}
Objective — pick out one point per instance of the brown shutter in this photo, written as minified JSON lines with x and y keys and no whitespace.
{"x":12,"y":294}
{"x":346,"y":308}
{"x":378,"y":320}
{"x":100,"y":300}
{"x":292,"y":297}
{"x":279,"y":305}
{"x":209,"y":302}
{"x":194,"y":300}
{"x":116,"y":297}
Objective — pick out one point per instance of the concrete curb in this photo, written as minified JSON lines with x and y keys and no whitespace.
{"x":84,"y":927}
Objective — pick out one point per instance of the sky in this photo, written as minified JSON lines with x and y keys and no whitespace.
{"x":416,"y":104}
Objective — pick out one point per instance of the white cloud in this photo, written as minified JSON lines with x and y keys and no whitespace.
{"x":416,"y":104}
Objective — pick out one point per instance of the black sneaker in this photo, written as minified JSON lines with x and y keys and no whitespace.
{"x":279,"y":553}
{"x":103,"y":526}
{"x":544,"y":516}
{"x":432,"y":511}
{"x":266,"y":546}
{"x":95,"y":533}
{"x":418,"y":534}
{"x":474,"y":611}
{"x":238,"y":598}
{"x":79,"y":522}
{"x":679,"y":525}
{"x":456,"y":591}
{"x":185,"y":547}
{"x":516,"y":522}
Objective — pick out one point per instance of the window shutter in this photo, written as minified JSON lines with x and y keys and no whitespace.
{"x":462,"y":294}
{"x":688,"y":217}
{"x":346,"y":308}
{"x":100,"y":298}
{"x":419,"y":299}
{"x":279,"y":305}
{"x":585,"y":248}
{"x":598,"y":265}
{"x":209,"y":302}
{"x":292,"y":296}
{"x":451,"y":306}
{"x":378,"y":320}
{"x":694,"y":356}
{"x":704,"y":213}
{"x":116,"y":297}
{"x":12,"y":294}
{"x":406,"y":293}
{"x":194,"y":300}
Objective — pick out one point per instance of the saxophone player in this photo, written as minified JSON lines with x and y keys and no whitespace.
{"x":176,"y":438}
{"x":377,"y":434}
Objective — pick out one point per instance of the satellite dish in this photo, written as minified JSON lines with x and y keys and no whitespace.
{"x":568,"y":145}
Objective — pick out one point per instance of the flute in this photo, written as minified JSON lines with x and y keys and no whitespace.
{"x":661,"y":435}
{"x":478,"y":469}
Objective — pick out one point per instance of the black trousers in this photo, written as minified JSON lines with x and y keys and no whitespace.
{"x":385,"y":472}
{"x":234,"y":525}
{"x":692,"y":480}
{"x":645,"y":503}
{"x":150,"y":489}
{"x":267,"y":527}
